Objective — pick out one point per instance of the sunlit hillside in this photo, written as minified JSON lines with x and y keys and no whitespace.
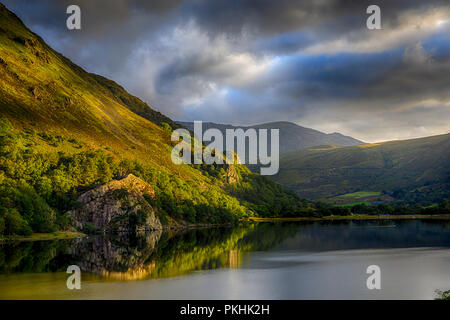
{"x":44,"y":91}
{"x":64,"y":130}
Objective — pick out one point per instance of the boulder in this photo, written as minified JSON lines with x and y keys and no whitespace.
{"x":117,"y":206}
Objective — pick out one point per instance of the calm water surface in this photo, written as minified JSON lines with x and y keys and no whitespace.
{"x":309,"y":260}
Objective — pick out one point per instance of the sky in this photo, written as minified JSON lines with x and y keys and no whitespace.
{"x":314,"y":63}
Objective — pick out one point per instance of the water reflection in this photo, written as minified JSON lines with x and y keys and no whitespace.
{"x":123,"y":257}
{"x":160,"y":255}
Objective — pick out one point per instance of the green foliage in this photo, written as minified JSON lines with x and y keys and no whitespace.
{"x":89,"y":228}
{"x":120,"y":193}
{"x":276,"y":201}
{"x":137,"y":219}
{"x":11,"y":222}
{"x":162,"y":216}
{"x":324,"y":209}
{"x":166,"y":127}
{"x":5,"y":126}
{"x":20,"y":200}
{"x":133,"y":103}
{"x":34,"y":256}
{"x":443,"y":295}
{"x":42,"y":186}
{"x":402,"y":209}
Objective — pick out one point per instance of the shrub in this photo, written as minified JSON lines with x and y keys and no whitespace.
{"x":13,"y":223}
{"x":165,"y":126}
{"x":89,"y":228}
{"x":5,"y":126}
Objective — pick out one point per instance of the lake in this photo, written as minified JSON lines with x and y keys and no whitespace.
{"x":286,"y":260}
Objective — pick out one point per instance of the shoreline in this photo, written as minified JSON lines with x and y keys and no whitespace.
{"x":61,"y":235}
{"x":65,"y":235}
{"x":360,"y":217}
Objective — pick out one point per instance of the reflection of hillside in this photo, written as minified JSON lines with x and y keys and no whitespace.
{"x":157,"y":254}
{"x":122,"y":258}
{"x":160,"y":255}
{"x":234,"y":259}
{"x":267,"y":235}
{"x":197,"y":250}
{"x":135,"y":273}
{"x":349,"y":235}
{"x":152,"y":255}
{"x":30,"y":256}
{"x":215,"y":248}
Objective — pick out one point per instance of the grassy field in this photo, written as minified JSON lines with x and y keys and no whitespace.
{"x":351,"y":204}
{"x":355,"y":198}
{"x":359,"y":198}
{"x":361,"y":194}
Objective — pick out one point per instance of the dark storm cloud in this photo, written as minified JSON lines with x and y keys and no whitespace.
{"x":113,"y":26}
{"x":272,"y":17}
{"x":267,"y":16}
{"x":313,"y":62}
{"x":99,"y":14}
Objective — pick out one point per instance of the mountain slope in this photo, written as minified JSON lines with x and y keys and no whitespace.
{"x":42,"y":89}
{"x":64,"y":131}
{"x":292,"y":136}
{"x":134,"y":103}
{"x":417,"y":169}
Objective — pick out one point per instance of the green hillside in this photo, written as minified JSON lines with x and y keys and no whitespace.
{"x":64,"y":130}
{"x":412,"y":170}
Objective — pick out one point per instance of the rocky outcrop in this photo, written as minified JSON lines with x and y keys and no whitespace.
{"x":231,"y":174}
{"x":118,"y":206}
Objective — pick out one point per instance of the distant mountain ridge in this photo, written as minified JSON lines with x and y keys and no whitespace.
{"x":411,"y":170}
{"x":292,"y":136}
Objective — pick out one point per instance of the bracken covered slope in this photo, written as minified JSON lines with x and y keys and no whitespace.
{"x":39,"y":88}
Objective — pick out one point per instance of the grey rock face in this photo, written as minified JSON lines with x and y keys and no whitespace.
{"x":232,"y":176}
{"x":118,"y":206}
